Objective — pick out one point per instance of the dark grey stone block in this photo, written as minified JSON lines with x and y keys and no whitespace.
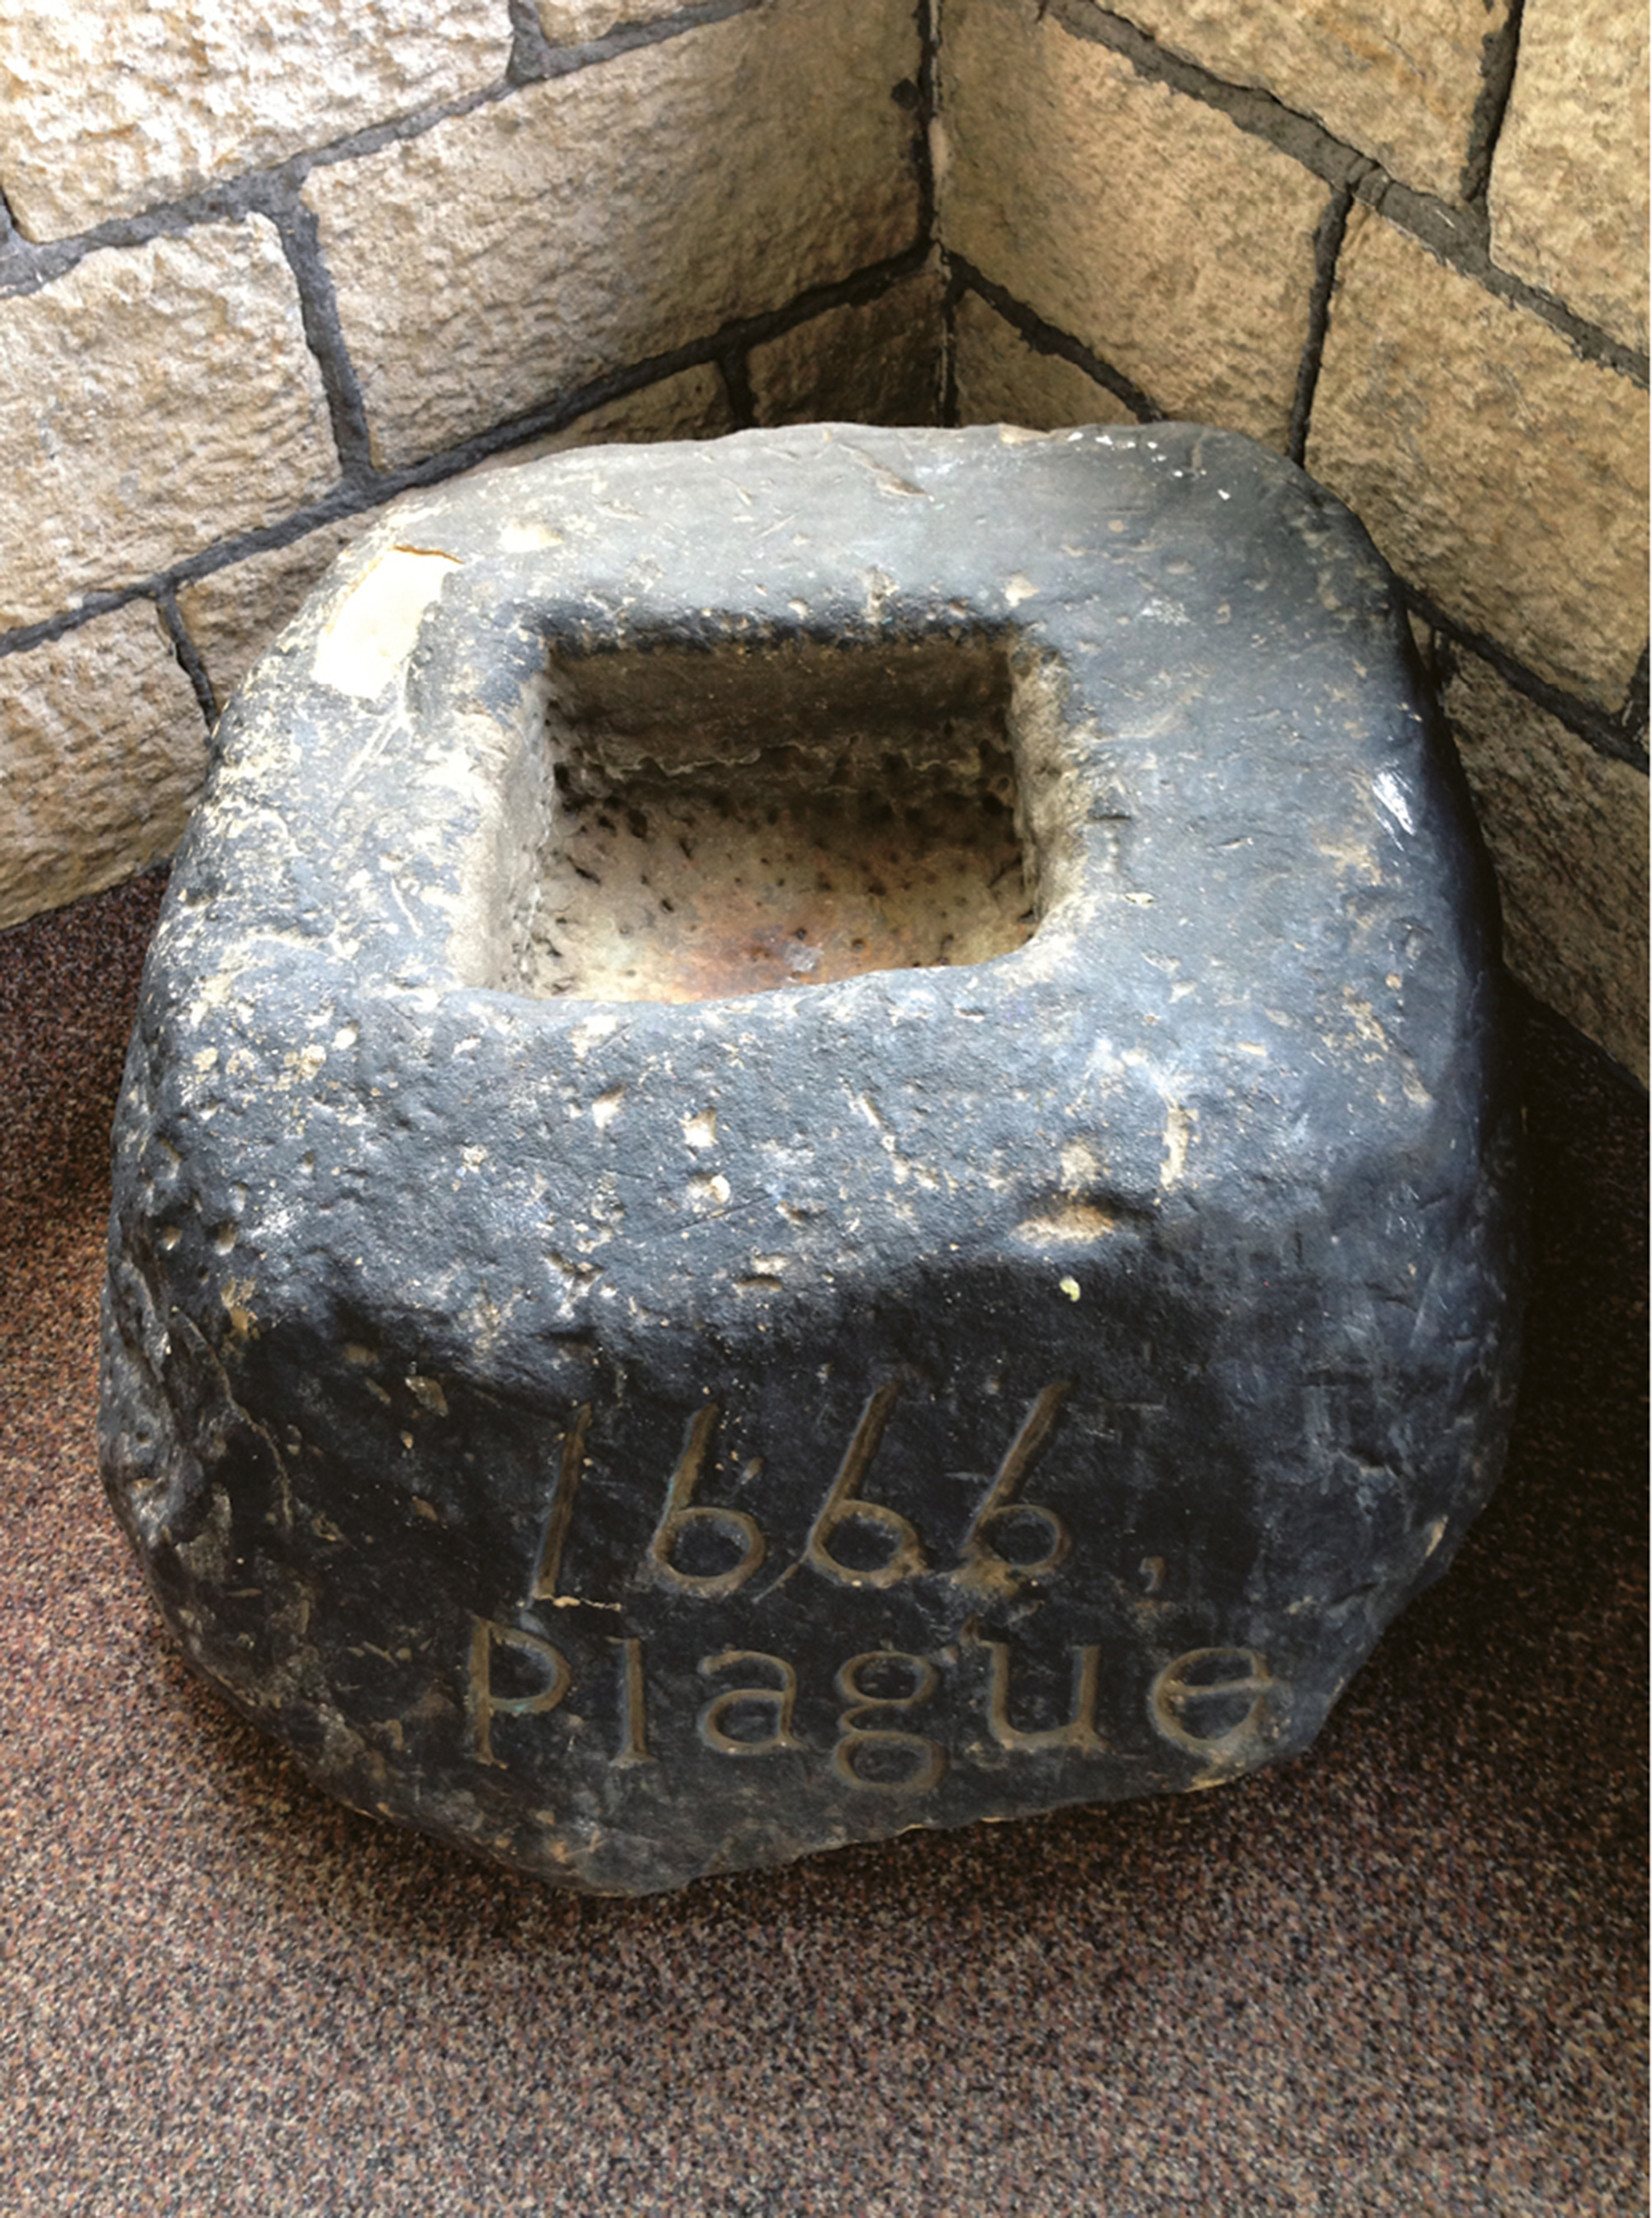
{"x":635,"y":1424}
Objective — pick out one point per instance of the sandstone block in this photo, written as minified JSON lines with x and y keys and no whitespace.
{"x":1568,"y":186}
{"x":817,"y":1145}
{"x":1397,"y":78}
{"x":872,"y":362}
{"x":573,"y":23}
{"x":508,"y":254}
{"x":1002,"y":379}
{"x":1568,"y":831}
{"x":691,"y":405}
{"x":102,"y":749}
{"x":109,"y":111}
{"x":1493,"y":467}
{"x":152,"y":399}
{"x":1133,"y":219}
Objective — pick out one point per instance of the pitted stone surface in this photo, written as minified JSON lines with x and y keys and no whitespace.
{"x":107,"y":112}
{"x":1002,"y":379}
{"x":155,"y":398}
{"x":659,"y":1433}
{"x":513,"y":253}
{"x":1174,"y":245}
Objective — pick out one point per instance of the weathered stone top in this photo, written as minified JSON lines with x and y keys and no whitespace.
{"x":1234,"y":808}
{"x":1192,"y":1194}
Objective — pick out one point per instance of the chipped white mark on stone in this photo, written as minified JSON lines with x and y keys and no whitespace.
{"x":709,"y":1191}
{"x":305,"y":1061}
{"x":590,"y":1034}
{"x":473,"y":1158}
{"x":701,"y":1131}
{"x":371,"y":632}
{"x":1349,"y":855}
{"x":1019,"y":589}
{"x":1252,"y":1047}
{"x":428,"y":1393}
{"x":206,"y":1059}
{"x":345,"y":1036}
{"x":1079,"y":1165}
{"x":1178,"y":1137}
{"x":1436,"y":1534}
{"x":1018,"y":434}
{"x":879,"y":586}
{"x":1071,"y":1288}
{"x":1369,"y":1029}
{"x":527,"y":538}
{"x":606,"y":1107}
{"x":1069,"y":1221}
{"x":1391,"y":798}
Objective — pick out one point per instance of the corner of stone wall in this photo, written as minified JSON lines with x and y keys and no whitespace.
{"x":1419,"y":265}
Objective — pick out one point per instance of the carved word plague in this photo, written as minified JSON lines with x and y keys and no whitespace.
{"x":752,"y":1696}
{"x":1208,"y":1702}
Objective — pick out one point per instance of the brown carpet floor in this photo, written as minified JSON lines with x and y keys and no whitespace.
{"x":1404,"y":1975}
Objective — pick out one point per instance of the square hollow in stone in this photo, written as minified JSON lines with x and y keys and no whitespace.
{"x":733,"y":818}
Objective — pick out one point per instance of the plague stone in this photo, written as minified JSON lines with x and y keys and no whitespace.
{"x":816,"y":1144}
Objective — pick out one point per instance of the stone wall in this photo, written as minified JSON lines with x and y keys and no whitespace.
{"x":1406,"y":244}
{"x":267,"y":268}
{"x":262,"y":278}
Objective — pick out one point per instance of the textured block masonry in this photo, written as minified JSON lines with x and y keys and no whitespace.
{"x":111,"y":111}
{"x":1566,"y":828}
{"x":102,"y":750}
{"x":1135,"y":219}
{"x":1002,"y":379}
{"x":1399,"y":79}
{"x":1492,"y":466}
{"x":508,"y":254}
{"x":1568,"y":186}
{"x":873,"y":362}
{"x":152,"y":399}
{"x":816,"y":1144}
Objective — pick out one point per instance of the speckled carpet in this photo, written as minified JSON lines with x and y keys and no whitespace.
{"x":1404,"y":1976}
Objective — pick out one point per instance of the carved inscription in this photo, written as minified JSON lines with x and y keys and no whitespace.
{"x":872,"y":1749}
{"x":986,"y":1566}
{"x":1195,"y":1699}
{"x":708,"y":1550}
{"x":844,"y":1507}
{"x":634,"y":1743}
{"x":897,"y":1726}
{"x":484,"y":1702}
{"x":772,"y":1706}
{"x":569,"y":1469}
{"x":1209,"y":1702}
{"x":684,"y":1517}
{"x":1079,"y":1735}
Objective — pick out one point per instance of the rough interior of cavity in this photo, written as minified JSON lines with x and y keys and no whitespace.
{"x":734,"y":819}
